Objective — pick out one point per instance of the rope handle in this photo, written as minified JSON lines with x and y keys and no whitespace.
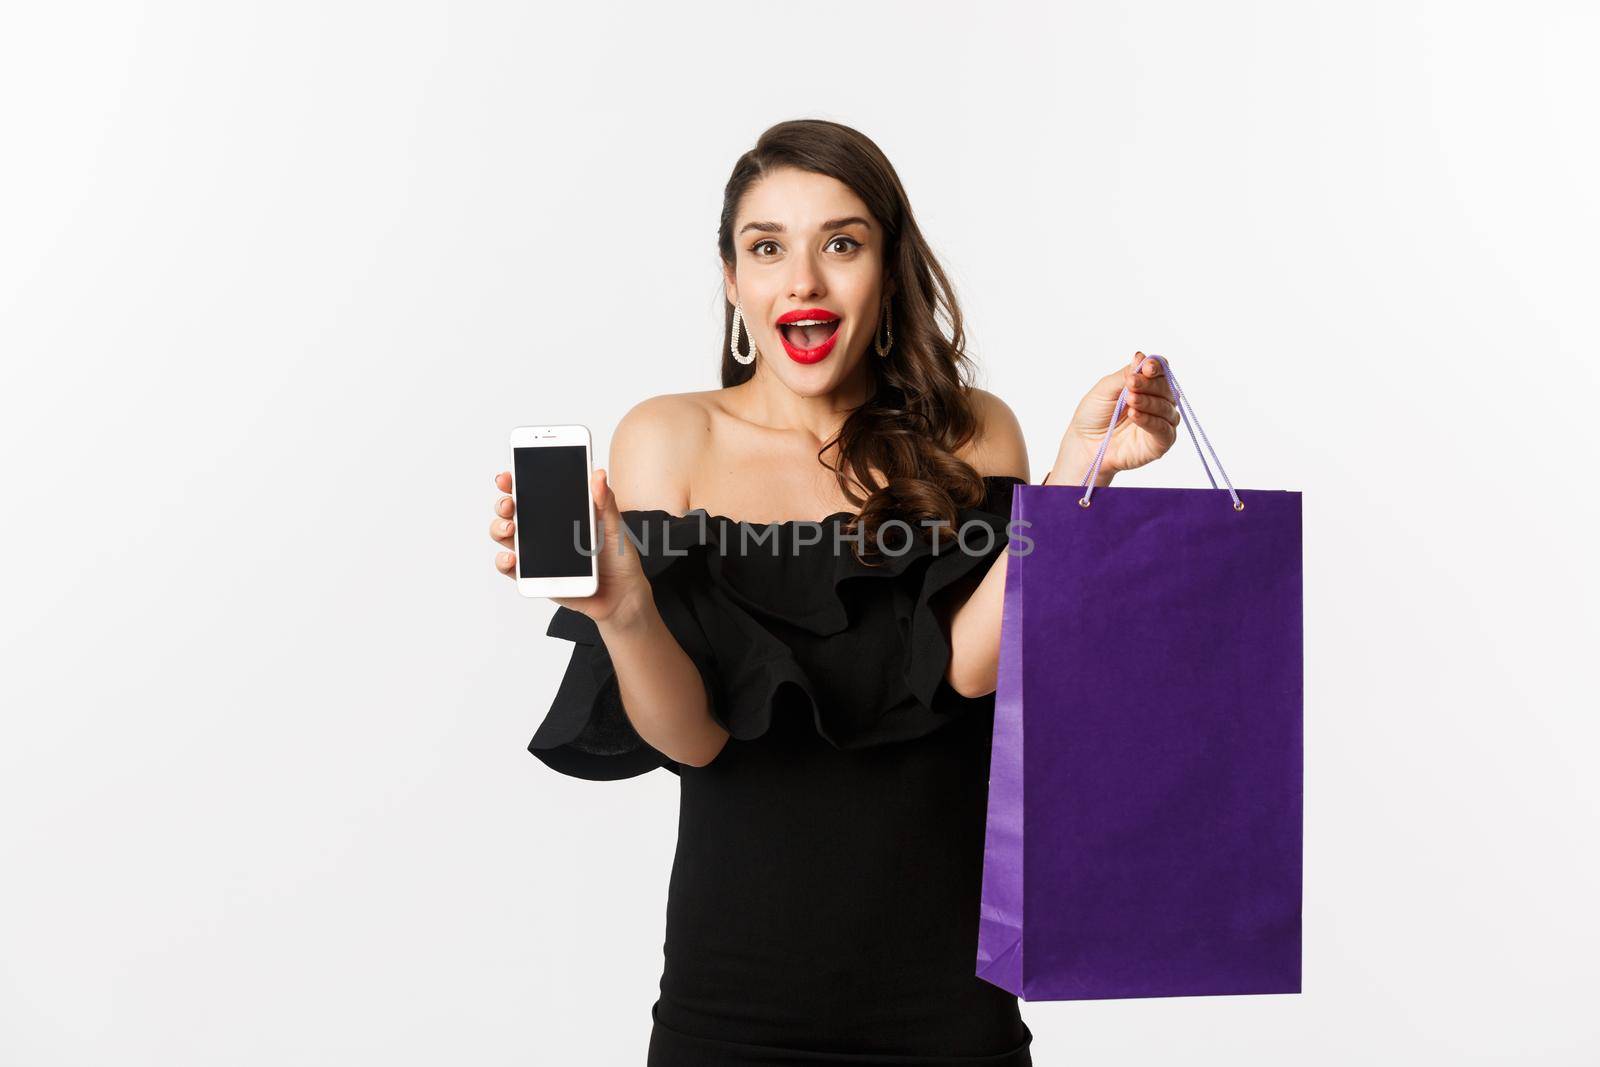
{"x":1186,"y":416}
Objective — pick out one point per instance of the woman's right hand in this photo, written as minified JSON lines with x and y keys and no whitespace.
{"x":623,"y":591}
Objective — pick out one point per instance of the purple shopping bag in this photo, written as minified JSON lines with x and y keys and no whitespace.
{"x":1144,"y":825}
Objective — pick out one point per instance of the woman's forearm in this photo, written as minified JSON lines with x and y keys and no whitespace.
{"x":975,"y":635}
{"x":975,"y":627}
{"x":661,"y":689}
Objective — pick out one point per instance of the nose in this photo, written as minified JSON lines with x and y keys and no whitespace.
{"x":805,"y":283}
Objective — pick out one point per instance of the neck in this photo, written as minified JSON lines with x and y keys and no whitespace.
{"x":767,"y":401}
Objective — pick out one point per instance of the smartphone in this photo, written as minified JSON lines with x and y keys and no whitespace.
{"x":554,"y":532}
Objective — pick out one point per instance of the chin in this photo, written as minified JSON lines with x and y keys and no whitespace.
{"x":816,"y":379}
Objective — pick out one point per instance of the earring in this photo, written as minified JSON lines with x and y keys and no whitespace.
{"x":883,"y":346}
{"x":733,"y":338}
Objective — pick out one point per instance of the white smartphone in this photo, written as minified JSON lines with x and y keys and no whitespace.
{"x":553,"y":535}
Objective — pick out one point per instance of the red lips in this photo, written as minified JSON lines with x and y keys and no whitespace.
{"x":808,"y":355}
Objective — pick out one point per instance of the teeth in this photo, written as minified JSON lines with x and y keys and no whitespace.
{"x":810,"y":322}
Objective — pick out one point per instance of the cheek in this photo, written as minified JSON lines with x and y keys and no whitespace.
{"x":855,"y":290}
{"x":864,"y":312}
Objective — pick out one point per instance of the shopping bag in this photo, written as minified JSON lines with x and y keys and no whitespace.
{"x":1144,"y":818}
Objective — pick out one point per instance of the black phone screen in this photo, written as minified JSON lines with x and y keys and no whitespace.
{"x":552,"y":496}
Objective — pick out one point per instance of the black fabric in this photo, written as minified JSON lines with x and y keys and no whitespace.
{"x":823,"y":903}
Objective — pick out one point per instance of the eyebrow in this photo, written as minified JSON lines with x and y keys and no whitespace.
{"x":831,"y":224}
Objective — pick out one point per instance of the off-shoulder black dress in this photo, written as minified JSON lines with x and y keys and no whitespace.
{"x":823,"y":902}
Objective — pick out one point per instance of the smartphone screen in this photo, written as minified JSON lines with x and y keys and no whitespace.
{"x":552,"y":484}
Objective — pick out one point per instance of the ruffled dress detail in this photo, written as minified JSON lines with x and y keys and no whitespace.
{"x":759,"y":609}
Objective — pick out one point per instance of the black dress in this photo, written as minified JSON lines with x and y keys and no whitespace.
{"x":823,"y":902}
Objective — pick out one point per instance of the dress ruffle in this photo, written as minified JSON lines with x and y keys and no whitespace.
{"x":760,"y":609}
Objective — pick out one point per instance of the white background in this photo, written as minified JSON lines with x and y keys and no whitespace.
{"x":277,"y":279}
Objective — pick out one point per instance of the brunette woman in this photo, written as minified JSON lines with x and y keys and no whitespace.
{"x":801,"y":621}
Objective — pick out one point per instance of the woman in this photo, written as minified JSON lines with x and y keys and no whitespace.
{"x":827,"y":706}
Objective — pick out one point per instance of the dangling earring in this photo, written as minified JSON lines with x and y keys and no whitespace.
{"x":883,"y":346}
{"x":733,"y":338}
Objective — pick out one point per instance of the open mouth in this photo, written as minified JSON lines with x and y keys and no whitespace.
{"x":808,"y":332}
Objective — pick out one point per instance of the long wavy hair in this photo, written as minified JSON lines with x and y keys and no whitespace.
{"x":921,"y":411}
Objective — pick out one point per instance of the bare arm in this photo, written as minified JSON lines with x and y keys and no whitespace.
{"x":974,"y":668}
{"x":661,"y":689}
{"x":971,"y":612}
{"x":660,"y":686}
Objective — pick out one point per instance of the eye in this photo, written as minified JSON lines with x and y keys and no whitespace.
{"x":854,"y":244}
{"x":756,"y":248}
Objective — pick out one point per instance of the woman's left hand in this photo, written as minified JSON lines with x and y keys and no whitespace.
{"x":1144,"y":432}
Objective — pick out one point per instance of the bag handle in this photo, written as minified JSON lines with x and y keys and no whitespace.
{"x":1186,"y":416}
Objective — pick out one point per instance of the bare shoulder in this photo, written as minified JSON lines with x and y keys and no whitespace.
{"x":653,"y":451}
{"x":998,"y":448}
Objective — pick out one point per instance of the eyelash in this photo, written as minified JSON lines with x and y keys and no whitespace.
{"x":770,"y":241}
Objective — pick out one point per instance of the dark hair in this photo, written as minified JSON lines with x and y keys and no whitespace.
{"x":921,"y":412}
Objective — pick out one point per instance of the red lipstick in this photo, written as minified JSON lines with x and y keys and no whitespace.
{"x":821,"y":316}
